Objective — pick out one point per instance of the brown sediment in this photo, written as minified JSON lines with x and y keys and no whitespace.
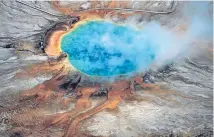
{"x":65,"y":10}
{"x":82,"y":104}
{"x":44,"y":67}
{"x":114,"y":97}
{"x":165,"y":94}
{"x":30,"y":117}
{"x":46,"y":89}
{"x":112,"y":4}
{"x":69,"y":10}
{"x":117,"y":91}
{"x":156,"y":90}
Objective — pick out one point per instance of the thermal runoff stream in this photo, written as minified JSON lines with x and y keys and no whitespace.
{"x":103,"y":48}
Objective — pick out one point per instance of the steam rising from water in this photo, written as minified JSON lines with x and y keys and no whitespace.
{"x":200,"y":19}
{"x":105,"y":49}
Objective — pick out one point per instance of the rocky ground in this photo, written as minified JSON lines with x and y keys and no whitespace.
{"x":186,"y":112}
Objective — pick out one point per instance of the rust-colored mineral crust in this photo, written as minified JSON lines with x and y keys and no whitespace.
{"x":70,"y":119}
{"x":53,"y":37}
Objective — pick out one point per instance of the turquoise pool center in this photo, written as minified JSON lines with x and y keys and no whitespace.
{"x":104,"y":48}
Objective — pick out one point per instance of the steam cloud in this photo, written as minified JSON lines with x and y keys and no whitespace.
{"x":196,"y":17}
{"x":154,"y":44}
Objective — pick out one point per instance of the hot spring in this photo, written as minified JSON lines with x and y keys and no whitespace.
{"x":103,"y":48}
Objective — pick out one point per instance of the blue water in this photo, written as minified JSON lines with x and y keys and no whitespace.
{"x":105,"y":49}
